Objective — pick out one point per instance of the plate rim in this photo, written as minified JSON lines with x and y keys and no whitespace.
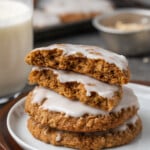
{"x":14,"y":136}
{"x":22,"y":143}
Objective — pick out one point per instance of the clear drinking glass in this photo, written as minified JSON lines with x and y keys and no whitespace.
{"x":16,"y":39}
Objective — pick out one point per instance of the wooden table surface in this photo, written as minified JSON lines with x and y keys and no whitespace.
{"x":6,"y":141}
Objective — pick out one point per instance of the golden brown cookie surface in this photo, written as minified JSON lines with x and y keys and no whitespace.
{"x":87,"y":141}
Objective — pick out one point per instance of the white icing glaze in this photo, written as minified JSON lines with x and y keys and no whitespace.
{"x":129,"y":99}
{"x":132,"y":121}
{"x":59,"y":7}
{"x":121,"y":128}
{"x":92,"y":52}
{"x":58,"y":137}
{"x":58,"y":103}
{"x":90,"y":84}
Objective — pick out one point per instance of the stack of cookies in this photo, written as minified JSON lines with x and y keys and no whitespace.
{"x":80,"y":101}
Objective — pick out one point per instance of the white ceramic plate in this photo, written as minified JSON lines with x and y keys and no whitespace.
{"x":17,"y":120}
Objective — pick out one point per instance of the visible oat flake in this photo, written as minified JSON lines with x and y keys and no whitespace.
{"x":45,"y":131}
{"x":58,"y":137}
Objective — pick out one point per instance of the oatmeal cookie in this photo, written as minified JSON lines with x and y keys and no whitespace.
{"x":76,"y":86}
{"x":89,"y":60}
{"x":51,"y":109}
{"x":87,"y":141}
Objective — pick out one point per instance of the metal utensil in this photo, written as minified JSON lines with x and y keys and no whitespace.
{"x":133,"y":42}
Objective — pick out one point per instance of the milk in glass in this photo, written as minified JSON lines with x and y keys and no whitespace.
{"x":15,"y":42}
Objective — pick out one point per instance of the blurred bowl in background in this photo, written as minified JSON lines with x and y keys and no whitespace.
{"x":125,"y":31}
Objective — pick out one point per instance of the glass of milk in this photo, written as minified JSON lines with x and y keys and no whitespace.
{"x":16,"y":39}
